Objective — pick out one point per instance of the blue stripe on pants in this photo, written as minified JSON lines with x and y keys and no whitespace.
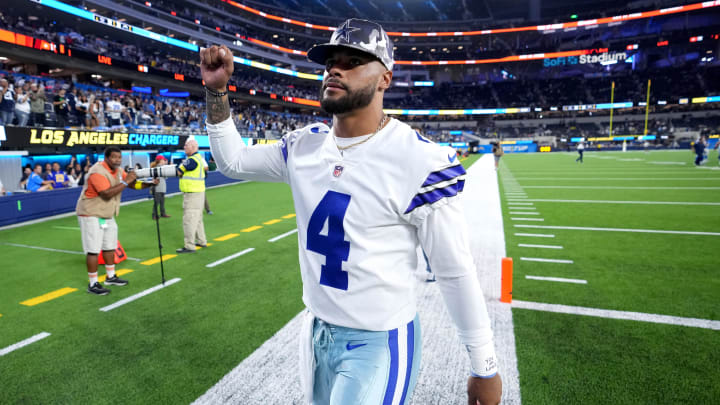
{"x":392,"y":379}
{"x":410,"y":352}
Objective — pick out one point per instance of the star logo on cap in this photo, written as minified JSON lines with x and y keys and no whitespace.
{"x":344,"y":31}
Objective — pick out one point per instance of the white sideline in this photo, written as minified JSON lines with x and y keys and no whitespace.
{"x":623,"y":202}
{"x":139,"y":295}
{"x":613,"y":314}
{"x":526,"y":219}
{"x":540,"y":246}
{"x":443,"y":371}
{"x":232,"y":256}
{"x":59,"y":250}
{"x":537,"y":259}
{"x":558,"y":279}
{"x":277,"y":238}
{"x":23,"y":343}
{"x":524,"y":213}
{"x":520,"y":203}
{"x":535,"y":235}
{"x":580,"y":228}
{"x":523,"y":208}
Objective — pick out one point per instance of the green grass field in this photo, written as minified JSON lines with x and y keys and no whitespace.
{"x":174,"y":344}
{"x":565,"y":358}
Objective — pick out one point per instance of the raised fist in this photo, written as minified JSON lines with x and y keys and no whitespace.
{"x":216,"y":67}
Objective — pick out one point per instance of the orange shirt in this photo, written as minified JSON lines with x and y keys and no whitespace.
{"x":97,"y":182}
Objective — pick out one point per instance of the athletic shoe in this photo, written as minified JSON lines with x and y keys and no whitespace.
{"x":430,"y":278}
{"x":97,"y":289}
{"x":164,"y":216}
{"x":184,"y":250}
{"x":199,"y":245}
{"x":210,"y":213}
{"x":115,"y":280}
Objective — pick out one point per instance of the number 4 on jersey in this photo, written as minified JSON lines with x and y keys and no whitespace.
{"x":336,"y":250}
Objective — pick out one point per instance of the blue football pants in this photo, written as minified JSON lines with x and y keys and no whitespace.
{"x":362,"y":367}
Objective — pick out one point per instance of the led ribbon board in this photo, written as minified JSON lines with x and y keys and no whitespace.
{"x":548,"y":27}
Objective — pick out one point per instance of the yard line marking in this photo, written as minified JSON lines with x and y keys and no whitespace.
{"x":667,"y":163}
{"x":139,"y":295}
{"x":526,"y":219}
{"x":277,"y":238}
{"x":520,"y":203}
{"x":226,"y":237}
{"x":558,"y":279}
{"x":225,"y":259}
{"x":614,"y":314}
{"x":625,"y":202}
{"x":252,"y":228}
{"x":157,"y":259}
{"x":58,"y":250}
{"x":118,"y":273}
{"x":272,"y":221}
{"x":524,"y":213}
{"x":288,"y":216}
{"x":537,"y":259}
{"x":74,"y":228}
{"x":23,"y":343}
{"x":536,"y":235}
{"x":540,"y":246}
{"x":49,"y":296}
{"x":580,"y":228}
{"x":622,"y":178}
{"x":627,"y":188}
{"x":523,"y":208}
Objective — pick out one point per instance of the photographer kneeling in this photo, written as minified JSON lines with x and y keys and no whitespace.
{"x":96,"y":209}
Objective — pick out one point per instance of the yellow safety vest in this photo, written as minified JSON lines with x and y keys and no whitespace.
{"x":193,"y":181}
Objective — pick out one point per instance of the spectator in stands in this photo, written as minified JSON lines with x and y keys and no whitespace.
{"x":7,"y":102}
{"x":73,"y":178}
{"x":58,"y":176}
{"x":81,"y":109}
{"x":158,"y":191}
{"x":27,"y":171}
{"x":97,"y":112}
{"x":60,"y":105}
{"x":116,"y":110}
{"x":37,"y":104}
{"x":72,"y":100}
{"x":36,"y":183}
{"x":48,"y":170}
{"x":22,"y":105}
{"x":80,"y":173}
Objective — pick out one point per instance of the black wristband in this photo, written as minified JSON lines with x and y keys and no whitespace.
{"x":214,"y":93}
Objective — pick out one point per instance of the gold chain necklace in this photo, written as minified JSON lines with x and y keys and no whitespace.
{"x":382,"y":124}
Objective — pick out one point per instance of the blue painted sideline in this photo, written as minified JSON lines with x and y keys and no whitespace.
{"x":28,"y":206}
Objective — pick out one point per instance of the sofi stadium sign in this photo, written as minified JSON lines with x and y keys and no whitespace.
{"x":603,"y":58}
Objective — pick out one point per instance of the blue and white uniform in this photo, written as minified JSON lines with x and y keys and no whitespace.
{"x":361,"y":216}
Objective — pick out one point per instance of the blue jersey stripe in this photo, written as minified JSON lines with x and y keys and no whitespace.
{"x":392,"y":378}
{"x":283,"y":148}
{"x":435,"y":195}
{"x":444,"y":175}
{"x":410,"y":352}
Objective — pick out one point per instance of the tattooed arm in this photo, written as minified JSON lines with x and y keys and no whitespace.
{"x":216,"y":67}
{"x":234,"y":159}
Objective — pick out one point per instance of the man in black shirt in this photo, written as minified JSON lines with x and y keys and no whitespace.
{"x":61,"y":108}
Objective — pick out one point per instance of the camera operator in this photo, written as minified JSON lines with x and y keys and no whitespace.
{"x":96,"y":209}
{"x":192,"y":185}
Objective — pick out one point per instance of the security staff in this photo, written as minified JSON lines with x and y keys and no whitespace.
{"x":192,"y":185}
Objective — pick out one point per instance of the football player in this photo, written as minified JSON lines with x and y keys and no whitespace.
{"x":362,"y":212}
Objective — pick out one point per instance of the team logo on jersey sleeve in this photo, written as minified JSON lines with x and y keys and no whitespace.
{"x":338,"y":170}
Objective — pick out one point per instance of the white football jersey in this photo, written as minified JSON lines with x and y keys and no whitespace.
{"x":358,"y":214}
